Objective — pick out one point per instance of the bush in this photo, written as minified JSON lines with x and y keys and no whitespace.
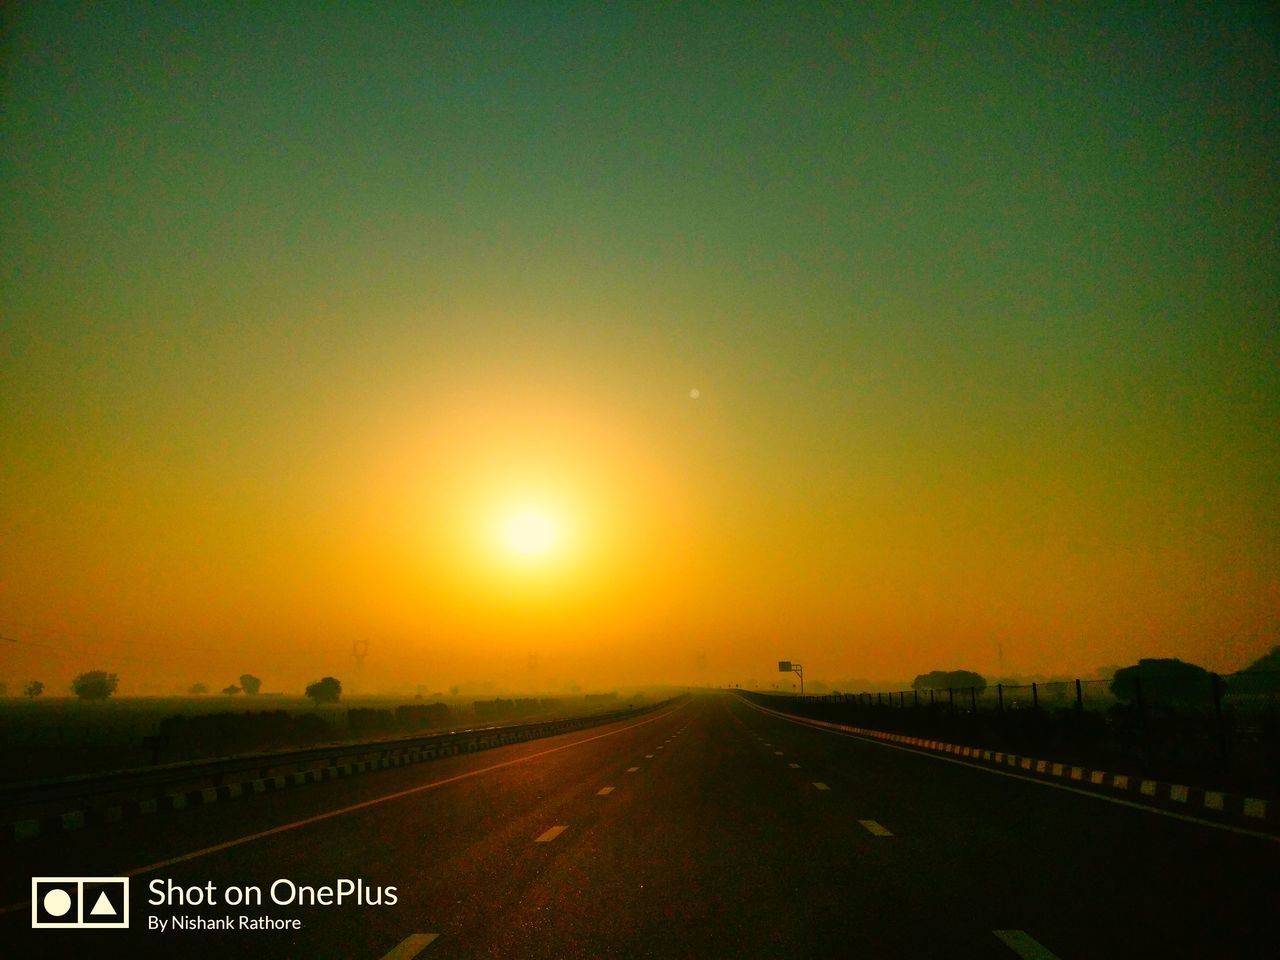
{"x":949,"y":680}
{"x":365,"y":721}
{"x":1167,"y":681}
{"x":95,"y":685}
{"x":325,"y":690}
{"x":231,"y":732}
{"x":417,"y":716}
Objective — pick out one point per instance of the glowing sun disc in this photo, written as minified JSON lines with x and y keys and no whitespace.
{"x":530,"y":534}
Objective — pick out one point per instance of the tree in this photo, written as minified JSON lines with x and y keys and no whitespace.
{"x":196,"y":689}
{"x":95,"y":685}
{"x":1163,"y":680}
{"x":33,"y":689}
{"x":949,"y":680}
{"x":1267,"y":663}
{"x":231,"y":690}
{"x":1261,"y":676}
{"x":325,"y":690}
{"x":250,"y":684}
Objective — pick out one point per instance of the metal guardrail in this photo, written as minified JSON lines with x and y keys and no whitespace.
{"x":50,"y":791}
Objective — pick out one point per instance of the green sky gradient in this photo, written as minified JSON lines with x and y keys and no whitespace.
{"x":965,"y":288}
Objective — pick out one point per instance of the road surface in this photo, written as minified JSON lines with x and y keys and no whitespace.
{"x":708,"y":830}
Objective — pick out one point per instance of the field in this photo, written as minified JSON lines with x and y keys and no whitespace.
{"x":56,"y":737}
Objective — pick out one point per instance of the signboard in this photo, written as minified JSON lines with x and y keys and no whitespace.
{"x":784,"y":666}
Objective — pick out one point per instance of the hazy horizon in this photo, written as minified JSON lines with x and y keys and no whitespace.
{"x":883,"y":341}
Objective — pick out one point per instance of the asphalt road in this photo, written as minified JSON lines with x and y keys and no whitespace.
{"x":727,"y":833}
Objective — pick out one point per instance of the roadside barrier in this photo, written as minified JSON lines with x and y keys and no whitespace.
{"x":109,"y":798}
{"x":1256,"y":812}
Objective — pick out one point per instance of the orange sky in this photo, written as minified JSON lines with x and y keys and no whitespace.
{"x":281,"y":352}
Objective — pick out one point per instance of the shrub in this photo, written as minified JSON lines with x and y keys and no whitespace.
{"x":95,"y":685}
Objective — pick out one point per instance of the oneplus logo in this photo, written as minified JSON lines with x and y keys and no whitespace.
{"x":84,"y":903}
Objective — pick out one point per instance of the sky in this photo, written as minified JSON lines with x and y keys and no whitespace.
{"x":551,"y":344}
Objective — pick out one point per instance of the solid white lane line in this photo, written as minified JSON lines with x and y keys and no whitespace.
{"x":794,"y":766}
{"x":604,"y":791}
{"x":875,"y":828}
{"x":632,"y":769}
{"x":1257,"y":834}
{"x":820,"y":785}
{"x":410,"y":946}
{"x":551,"y":833}
{"x":1021,"y":943}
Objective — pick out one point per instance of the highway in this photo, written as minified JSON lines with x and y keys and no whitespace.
{"x":709,"y":829}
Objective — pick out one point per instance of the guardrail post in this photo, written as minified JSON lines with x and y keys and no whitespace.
{"x":1079,"y":697}
{"x":1000,"y":697}
{"x":973,"y":700}
{"x":1035,"y":697}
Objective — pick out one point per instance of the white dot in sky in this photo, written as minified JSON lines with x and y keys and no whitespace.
{"x":57,"y":903}
{"x":695,"y":393}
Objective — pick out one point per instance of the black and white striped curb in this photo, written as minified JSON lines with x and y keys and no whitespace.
{"x":79,"y":819}
{"x":1252,"y":810}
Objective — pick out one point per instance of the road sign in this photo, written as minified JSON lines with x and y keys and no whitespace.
{"x":784,"y":666}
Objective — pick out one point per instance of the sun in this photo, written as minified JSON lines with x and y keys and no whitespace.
{"x":530,"y":533}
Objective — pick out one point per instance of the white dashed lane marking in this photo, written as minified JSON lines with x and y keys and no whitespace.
{"x":777,"y":753}
{"x":552,"y":833}
{"x":604,"y":791}
{"x":648,"y":756}
{"x":875,"y":828}
{"x":632,"y":769}
{"x":410,"y":946}
{"x":794,"y":766}
{"x":820,"y":785}
{"x":1021,"y":943}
